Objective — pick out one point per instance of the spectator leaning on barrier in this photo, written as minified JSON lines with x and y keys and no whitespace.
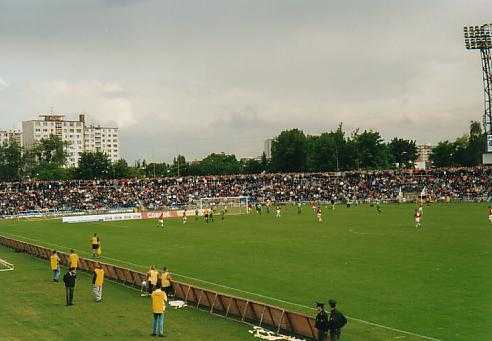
{"x":336,"y":321}
{"x":69,"y":280}
{"x":159,"y":300}
{"x":55,"y":266}
{"x":321,"y":322}
{"x":97,"y":281}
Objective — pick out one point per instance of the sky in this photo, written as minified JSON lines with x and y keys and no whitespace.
{"x":195,"y":77}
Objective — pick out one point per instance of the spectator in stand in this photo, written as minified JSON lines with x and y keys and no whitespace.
{"x":470,"y":184}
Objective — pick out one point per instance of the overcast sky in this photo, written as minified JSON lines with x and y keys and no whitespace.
{"x":194,"y":77}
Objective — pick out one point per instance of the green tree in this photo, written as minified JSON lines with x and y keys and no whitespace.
{"x":265,"y":163}
{"x":370,"y":150}
{"x":442,"y":154}
{"x":460,"y":156}
{"x":94,"y":165}
{"x":220,"y":164}
{"x":50,"y":151}
{"x":179,"y":167}
{"x":46,"y":159}
{"x":10,"y":162}
{"x":328,"y":151}
{"x":154,"y":169}
{"x":312,"y":160}
{"x":476,"y":144}
{"x":251,"y":166}
{"x":289,"y":151}
{"x":121,"y":169}
{"x":403,"y":152}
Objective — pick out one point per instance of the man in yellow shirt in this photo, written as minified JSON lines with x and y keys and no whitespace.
{"x":97,"y":281}
{"x":159,"y":300}
{"x":55,"y":266}
{"x":165,"y":281}
{"x":96,"y":244}
{"x":152,"y":276}
{"x":73,"y":260}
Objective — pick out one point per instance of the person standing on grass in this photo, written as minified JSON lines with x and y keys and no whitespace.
{"x":336,"y":321}
{"x":55,"y":266}
{"x":159,"y":300}
{"x":69,"y":280}
{"x":152,"y":276}
{"x":165,"y":281}
{"x":321,"y":322}
{"x":418,"y":217}
{"x":73,"y":260}
{"x":97,"y":281}
{"x":95,"y":244}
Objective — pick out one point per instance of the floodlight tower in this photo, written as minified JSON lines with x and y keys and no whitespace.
{"x":480,"y":38}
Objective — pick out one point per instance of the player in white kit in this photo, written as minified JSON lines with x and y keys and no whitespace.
{"x":418,"y":217}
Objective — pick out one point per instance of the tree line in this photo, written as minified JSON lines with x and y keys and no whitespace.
{"x":292,"y":151}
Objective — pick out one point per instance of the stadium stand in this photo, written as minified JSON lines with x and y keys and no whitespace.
{"x":466,"y":184}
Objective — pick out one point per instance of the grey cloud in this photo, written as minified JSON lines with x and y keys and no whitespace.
{"x":201,"y":76}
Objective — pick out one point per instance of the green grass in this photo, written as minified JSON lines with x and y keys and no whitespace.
{"x":434,"y":283}
{"x":33,"y":308}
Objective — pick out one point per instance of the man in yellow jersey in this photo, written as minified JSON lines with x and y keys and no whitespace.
{"x":97,"y":281}
{"x":165,"y":281}
{"x":159,"y":300}
{"x":95,"y":244}
{"x":73,"y":260}
{"x":55,"y":265}
{"x":152,"y":278}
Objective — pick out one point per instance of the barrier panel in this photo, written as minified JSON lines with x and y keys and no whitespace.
{"x":228,"y":306}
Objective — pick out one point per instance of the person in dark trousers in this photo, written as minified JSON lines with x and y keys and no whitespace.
{"x":336,"y":321}
{"x":69,"y":280}
{"x":321,"y":322}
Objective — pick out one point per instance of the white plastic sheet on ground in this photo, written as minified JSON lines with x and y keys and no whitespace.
{"x":177,"y":304}
{"x":269,"y":335}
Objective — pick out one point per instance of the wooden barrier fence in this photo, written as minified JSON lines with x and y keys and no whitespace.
{"x":239,"y":309}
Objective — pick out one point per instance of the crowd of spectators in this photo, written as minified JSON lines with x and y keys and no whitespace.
{"x":472,"y":184}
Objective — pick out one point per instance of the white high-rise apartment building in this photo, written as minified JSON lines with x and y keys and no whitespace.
{"x":12,"y":135}
{"x":80,"y":136}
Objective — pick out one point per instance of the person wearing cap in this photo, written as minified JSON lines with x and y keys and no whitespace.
{"x":321,"y":322}
{"x":336,"y":321}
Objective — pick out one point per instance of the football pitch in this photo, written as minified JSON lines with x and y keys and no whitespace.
{"x":394,"y":282}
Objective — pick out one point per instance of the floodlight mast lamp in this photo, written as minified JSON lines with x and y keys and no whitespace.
{"x":480,"y":38}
